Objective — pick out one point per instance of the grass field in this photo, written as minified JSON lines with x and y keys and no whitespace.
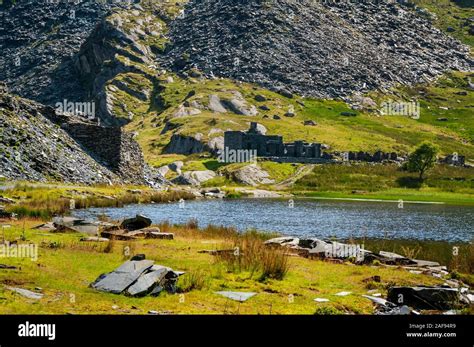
{"x":66,"y":266}
{"x":443,"y":184}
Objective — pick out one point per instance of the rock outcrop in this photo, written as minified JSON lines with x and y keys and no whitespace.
{"x":251,"y":175}
{"x":32,"y":147}
{"x":194,"y":178}
{"x":38,"y":40}
{"x":39,"y":143}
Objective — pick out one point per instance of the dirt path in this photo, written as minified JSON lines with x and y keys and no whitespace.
{"x":300,"y":173}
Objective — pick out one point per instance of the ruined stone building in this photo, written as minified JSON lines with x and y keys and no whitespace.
{"x":272,"y":146}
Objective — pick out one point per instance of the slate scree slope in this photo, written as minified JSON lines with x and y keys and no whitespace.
{"x":312,"y":48}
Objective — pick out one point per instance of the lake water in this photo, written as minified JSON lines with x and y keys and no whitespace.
{"x":313,"y":218}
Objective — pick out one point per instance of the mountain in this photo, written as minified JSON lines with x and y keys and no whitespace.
{"x":319,"y":49}
{"x":175,"y":75}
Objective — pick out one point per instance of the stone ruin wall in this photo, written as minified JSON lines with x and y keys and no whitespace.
{"x":109,"y":146}
{"x":112,"y":148}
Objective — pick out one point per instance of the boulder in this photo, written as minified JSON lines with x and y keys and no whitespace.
{"x":240,"y":106}
{"x":251,"y":175}
{"x":194,"y":178}
{"x":260,"y":98}
{"x":136,"y":223}
{"x":215,"y":104}
{"x":183,"y":111}
{"x":163,"y":170}
{"x":138,"y":277}
{"x":260,"y":129}
{"x":216,"y":144}
{"x":182,"y":144}
{"x":176,"y":166}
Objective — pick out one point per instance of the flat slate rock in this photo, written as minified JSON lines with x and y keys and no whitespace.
{"x":379,"y":301}
{"x":237,"y":296}
{"x":425,"y":263}
{"x":321,"y":300}
{"x":391,"y":255}
{"x":343,"y":293}
{"x":76,"y":225}
{"x":26,"y":293}
{"x":146,"y":283}
{"x":122,"y":277}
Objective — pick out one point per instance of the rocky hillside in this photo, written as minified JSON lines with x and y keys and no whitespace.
{"x":177,"y":74}
{"x":313,"y":48}
{"x":34,"y":148}
{"x":38,"y":40}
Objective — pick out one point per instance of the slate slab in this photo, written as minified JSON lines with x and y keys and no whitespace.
{"x":146,"y":282}
{"x":122,"y":277}
{"x":26,"y":293}
{"x":237,"y":296}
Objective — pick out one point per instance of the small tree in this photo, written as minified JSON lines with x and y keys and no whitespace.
{"x":422,"y":159}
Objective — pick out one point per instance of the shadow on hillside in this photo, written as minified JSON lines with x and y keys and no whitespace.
{"x":409,"y":182}
{"x":464,"y":3}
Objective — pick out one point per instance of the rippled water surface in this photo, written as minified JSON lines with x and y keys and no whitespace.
{"x":318,"y":218}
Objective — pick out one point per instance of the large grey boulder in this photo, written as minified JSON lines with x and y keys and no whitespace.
{"x":215,"y":104}
{"x":76,"y":225}
{"x":183,"y":144}
{"x":138,"y":277}
{"x":184,"y":111}
{"x":240,"y":106}
{"x":136,"y":223}
{"x":251,"y":175}
{"x":216,"y":144}
{"x":194,"y":178}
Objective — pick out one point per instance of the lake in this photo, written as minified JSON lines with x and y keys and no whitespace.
{"x":313,"y":217}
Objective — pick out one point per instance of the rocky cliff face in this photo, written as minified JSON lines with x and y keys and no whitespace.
{"x":38,"y":40}
{"x":316,"y":48}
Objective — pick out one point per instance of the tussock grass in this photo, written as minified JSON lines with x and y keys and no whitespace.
{"x":250,"y":254}
{"x":193,"y":280}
